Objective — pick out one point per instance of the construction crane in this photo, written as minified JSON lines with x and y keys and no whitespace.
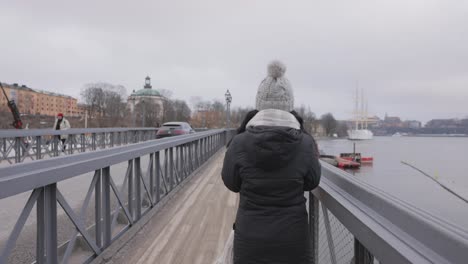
{"x":17,"y":123}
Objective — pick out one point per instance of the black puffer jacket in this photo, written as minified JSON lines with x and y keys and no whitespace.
{"x":271,"y":167}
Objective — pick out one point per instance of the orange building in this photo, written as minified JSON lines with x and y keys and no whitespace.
{"x":36,"y":102}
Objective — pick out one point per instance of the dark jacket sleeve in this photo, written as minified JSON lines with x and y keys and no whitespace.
{"x":312,"y":178}
{"x":230,"y":172}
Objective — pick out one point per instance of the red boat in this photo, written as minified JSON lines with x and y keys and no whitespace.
{"x":357,"y":158}
{"x":340,"y":162}
{"x":347,"y":164}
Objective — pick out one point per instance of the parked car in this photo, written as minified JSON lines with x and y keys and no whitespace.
{"x":170,"y":129}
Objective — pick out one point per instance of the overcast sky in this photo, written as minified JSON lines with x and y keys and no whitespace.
{"x":410,"y":56}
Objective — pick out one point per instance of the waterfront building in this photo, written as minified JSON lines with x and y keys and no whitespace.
{"x":38,"y":102}
{"x":151,"y":98}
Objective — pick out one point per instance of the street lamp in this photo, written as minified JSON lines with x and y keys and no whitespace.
{"x":228,"y":109}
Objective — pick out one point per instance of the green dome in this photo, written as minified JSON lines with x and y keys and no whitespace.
{"x":146,"y":92}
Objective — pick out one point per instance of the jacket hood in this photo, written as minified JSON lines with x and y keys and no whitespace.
{"x":272,"y":147}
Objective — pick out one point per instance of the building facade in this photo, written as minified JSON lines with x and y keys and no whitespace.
{"x":149,"y":97}
{"x":36,"y":102}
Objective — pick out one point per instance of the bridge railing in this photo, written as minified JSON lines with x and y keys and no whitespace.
{"x":354,"y":222}
{"x":150,"y":170}
{"x":17,"y":146}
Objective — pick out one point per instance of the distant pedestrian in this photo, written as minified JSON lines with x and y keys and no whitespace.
{"x":61,"y":123}
{"x":271,"y":162}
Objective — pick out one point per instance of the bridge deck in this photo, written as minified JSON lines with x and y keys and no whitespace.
{"x":192,"y":227}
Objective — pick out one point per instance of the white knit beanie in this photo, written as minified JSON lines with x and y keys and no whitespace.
{"x":275,"y":91}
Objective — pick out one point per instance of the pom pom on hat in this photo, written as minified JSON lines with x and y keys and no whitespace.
{"x":276,"y":69}
{"x":275,"y":91}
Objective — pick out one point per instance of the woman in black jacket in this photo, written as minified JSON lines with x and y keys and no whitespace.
{"x":271,"y":164}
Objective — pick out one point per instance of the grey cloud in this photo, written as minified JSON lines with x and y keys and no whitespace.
{"x":405,"y":54}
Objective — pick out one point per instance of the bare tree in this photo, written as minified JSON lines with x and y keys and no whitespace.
{"x":181,"y":110}
{"x":342,"y":129}
{"x":150,"y":111}
{"x":105,"y":103}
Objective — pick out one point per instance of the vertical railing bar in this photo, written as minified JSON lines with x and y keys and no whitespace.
{"x":83,"y":142}
{"x":331,"y":245}
{"x":190,"y":156}
{"x":98,"y":207}
{"x":51,"y":223}
{"x":40,"y":246}
{"x":313,"y":226}
{"x":38,"y":147}
{"x":150,"y":173}
{"x":93,"y":141}
{"x":70,"y":140}
{"x":137,"y":179}
{"x":157,"y":167}
{"x":171,"y":167}
{"x":106,"y":207}
{"x":130,"y":189}
{"x":17,"y":150}
{"x":166,"y":166}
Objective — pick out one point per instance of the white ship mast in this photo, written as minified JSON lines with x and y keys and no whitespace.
{"x":356,"y":107}
{"x":360,"y":131}
{"x":366,"y":114}
{"x":362,"y":109}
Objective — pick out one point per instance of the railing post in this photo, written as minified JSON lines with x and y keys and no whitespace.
{"x":361,"y":254}
{"x":190,"y":157}
{"x":93,"y":141}
{"x":171,"y":166}
{"x":202,"y":150}
{"x":40,"y":236}
{"x":17,"y":150}
{"x":50,"y":221}
{"x":314,"y":227}
{"x":70,"y":139}
{"x":111,"y":140}
{"x":328,"y":231}
{"x":157,"y":167}
{"x":151,"y":177}
{"x":98,"y":209}
{"x":106,"y":206}
{"x":130,"y":189}
{"x":38,"y":147}
{"x":137,"y":179}
{"x":83,"y":142}
{"x":56,"y":145}
{"x":183,"y":152}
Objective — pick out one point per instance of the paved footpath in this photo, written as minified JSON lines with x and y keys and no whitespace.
{"x":191,"y":228}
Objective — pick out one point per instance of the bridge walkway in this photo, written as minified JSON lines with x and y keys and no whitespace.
{"x":192,"y":227}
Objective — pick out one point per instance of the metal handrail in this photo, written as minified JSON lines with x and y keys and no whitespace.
{"x":18,"y":146}
{"x":19,"y":178}
{"x":14,"y":133}
{"x":390,"y":229}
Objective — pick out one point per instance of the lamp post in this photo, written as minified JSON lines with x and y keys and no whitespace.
{"x":228,"y":107}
